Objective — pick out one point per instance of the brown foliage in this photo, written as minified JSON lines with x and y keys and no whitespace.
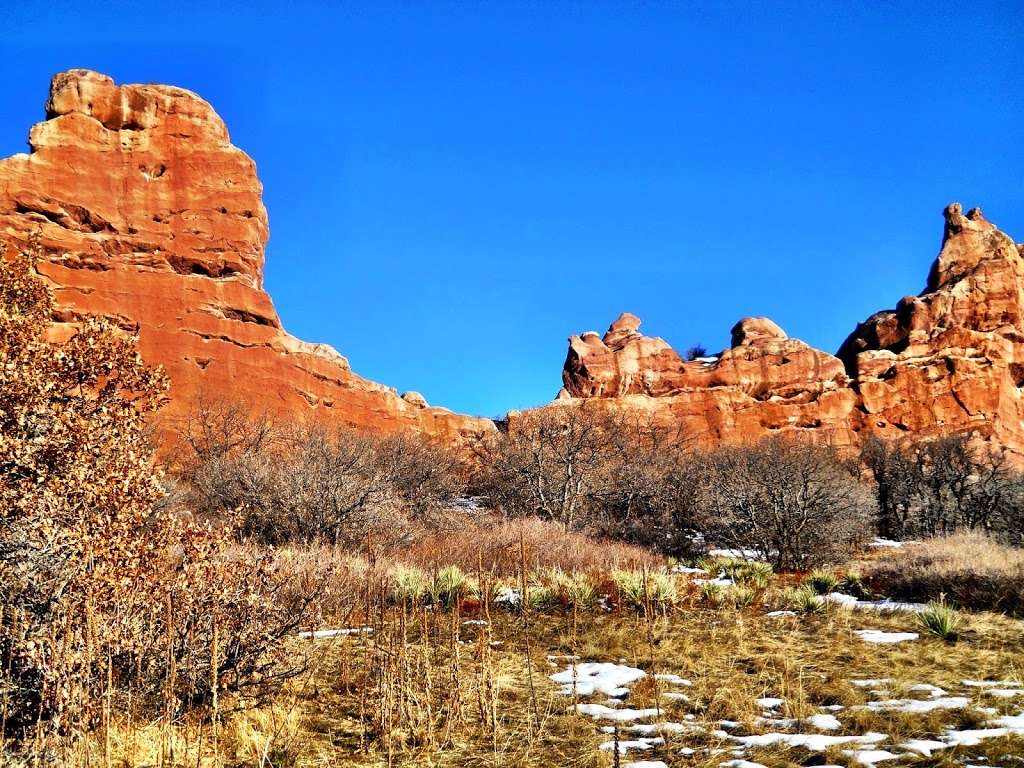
{"x":98,"y":591}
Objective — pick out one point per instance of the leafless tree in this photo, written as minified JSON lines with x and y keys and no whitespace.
{"x":795,"y":504}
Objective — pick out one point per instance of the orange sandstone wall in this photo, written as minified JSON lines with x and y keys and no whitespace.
{"x":150,"y":217}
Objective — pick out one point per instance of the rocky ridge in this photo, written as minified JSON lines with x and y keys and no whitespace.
{"x":950,"y":360}
{"x":149,"y":216}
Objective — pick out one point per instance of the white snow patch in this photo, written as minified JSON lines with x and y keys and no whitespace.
{"x":1004,"y":693}
{"x":872,"y":682}
{"x":878,"y":637}
{"x":600,"y":711}
{"x":508,"y":596}
{"x":815,"y":742}
{"x":869,"y":756}
{"x":593,"y":677}
{"x":625,"y":746}
{"x":645,"y":764}
{"x":743,"y":554}
{"x":770,"y":702}
{"x":741,"y":764}
{"x":317,"y":634}
{"x":674,"y":679}
{"x":924,"y":746}
{"x":883,"y":606}
{"x":824,"y":722}
{"x":776,"y":614}
{"x":916,"y":706}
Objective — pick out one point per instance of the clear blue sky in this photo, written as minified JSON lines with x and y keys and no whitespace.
{"x":455,"y":189}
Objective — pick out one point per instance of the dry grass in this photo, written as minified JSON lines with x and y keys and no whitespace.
{"x":971,"y":570}
{"x":426,"y":689}
{"x":495,"y":542}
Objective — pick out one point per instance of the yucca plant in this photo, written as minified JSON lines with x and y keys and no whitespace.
{"x":853,"y":584}
{"x":638,"y":588}
{"x":411,"y":585}
{"x":755,"y":574}
{"x":541,"y":597}
{"x":807,"y":600}
{"x":712,"y":593}
{"x":575,"y":589}
{"x":941,"y":620}
{"x":822,"y":581}
{"x":742,"y":597}
{"x":451,"y":585}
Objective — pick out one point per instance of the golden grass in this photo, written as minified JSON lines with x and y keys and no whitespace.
{"x":329,"y":717}
{"x":971,"y":570}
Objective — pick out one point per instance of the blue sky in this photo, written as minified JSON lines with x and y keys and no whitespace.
{"x":454,"y":189}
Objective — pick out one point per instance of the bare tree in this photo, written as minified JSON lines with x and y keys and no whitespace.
{"x":794,"y":504}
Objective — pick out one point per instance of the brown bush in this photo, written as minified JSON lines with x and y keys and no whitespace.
{"x":99,"y":592}
{"x":311,"y":483}
{"x":971,"y":569}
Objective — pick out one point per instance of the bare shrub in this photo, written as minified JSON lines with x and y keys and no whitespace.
{"x":971,"y":569}
{"x":937,"y":486}
{"x":794,"y":504}
{"x":101,"y":588}
{"x":311,"y":483}
{"x":494,"y":543}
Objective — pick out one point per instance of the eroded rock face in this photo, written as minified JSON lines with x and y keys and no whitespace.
{"x":150,"y":217}
{"x":948,"y":361}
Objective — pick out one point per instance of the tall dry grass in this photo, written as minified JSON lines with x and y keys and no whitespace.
{"x":972,"y":570}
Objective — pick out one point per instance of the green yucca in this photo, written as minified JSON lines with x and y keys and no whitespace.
{"x":755,"y":574}
{"x":807,"y":600}
{"x":411,"y":585}
{"x":638,"y":588}
{"x":822,"y":581}
{"x":712,"y":594}
{"x":451,"y":584}
{"x":941,"y":620}
{"x":742,"y":596}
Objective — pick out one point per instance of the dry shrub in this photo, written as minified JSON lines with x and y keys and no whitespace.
{"x":496,"y":543}
{"x":972,"y":570}
{"x":100,"y":593}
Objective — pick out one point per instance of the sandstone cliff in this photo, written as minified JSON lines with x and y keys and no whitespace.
{"x":150,"y":217}
{"x":949,"y":360}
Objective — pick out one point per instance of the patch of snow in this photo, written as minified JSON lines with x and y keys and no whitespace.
{"x":674,"y":679}
{"x":742,"y":554}
{"x":815,"y":742}
{"x":601,"y":712}
{"x":770,"y":702}
{"x":718,"y":582}
{"x":989,"y":683}
{"x":973,"y":738}
{"x":741,"y":764}
{"x":886,"y":543}
{"x":883,"y":606}
{"x":824,"y":722}
{"x":321,"y":633}
{"x":878,"y":637}
{"x":645,"y":764}
{"x":1004,"y":693}
{"x":676,"y":696}
{"x":869,"y":756}
{"x":625,"y":746}
{"x":597,"y":677}
{"x":932,"y":690}
{"x":776,"y":614}
{"x":916,"y":706}
{"x":924,"y":746}
{"x":872,"y":682}
{"x":474,"y":623}
{"x":687,"y":569}
{"x":508,"y":596}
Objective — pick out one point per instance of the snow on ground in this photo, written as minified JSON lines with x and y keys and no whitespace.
{"x":875,"y":682}
{"x":601,"y":712}
{"x":916,"y":706}
{"x":814,"y":742}
{"x":674,"y":680}
{"x":625,"y":746}
{"x":597,"y":677}
{"x":869,"y":756}
{"x":687,"y":570}
{"x":719,"y":581}
{"x":317,"y":634}
{"x":885,"y":606}
{"x":824,"y":722}
{"x":739,"y":554}
{"x":645,"y":764}
{"x":777,"y":614}
{"x":879,"y":637}
{"x":924,"y":746}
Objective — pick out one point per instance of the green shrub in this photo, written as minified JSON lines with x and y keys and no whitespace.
{"x":411,"y":585}
{"x":807,"y":600}
{"x":941,"y":620}
{"x":822,"y":581}
{"x":451,"y":585}
{"x":639,"y":588}
{"x":743,"y":597}
{"x":712,"y":594}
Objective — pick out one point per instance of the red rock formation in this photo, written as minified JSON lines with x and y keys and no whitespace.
{"x":150,"y":217}
{"x":949,"y":360}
